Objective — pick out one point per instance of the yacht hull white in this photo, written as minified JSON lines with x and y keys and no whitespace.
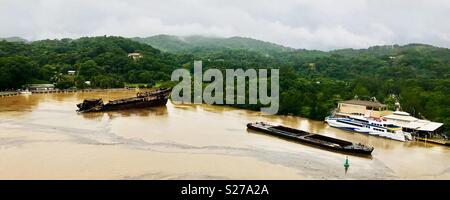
{"x":368,"y":126}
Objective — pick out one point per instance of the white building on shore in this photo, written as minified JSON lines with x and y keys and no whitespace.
{"x":414,"y":125}
{"x":40,"y":87}
{"x":363,"y":108}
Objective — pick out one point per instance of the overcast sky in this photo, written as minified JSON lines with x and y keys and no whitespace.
{"x":310,"y":24}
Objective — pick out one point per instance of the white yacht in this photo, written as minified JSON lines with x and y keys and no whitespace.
{"x":368,"y":125}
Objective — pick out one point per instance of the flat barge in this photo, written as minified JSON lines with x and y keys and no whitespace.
{"x":143,"y":99}
{"x":317,"y":140}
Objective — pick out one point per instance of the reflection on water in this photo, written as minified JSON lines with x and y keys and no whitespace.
{"x":154,"y":111}
{"x":41,"y":137}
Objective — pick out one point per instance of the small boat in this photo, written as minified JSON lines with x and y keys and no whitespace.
{"x":143,"y":99}
{"x":311,"y":138}
{"x":25,"y":92}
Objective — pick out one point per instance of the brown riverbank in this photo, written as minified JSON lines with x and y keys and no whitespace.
{"x":15,"y":93}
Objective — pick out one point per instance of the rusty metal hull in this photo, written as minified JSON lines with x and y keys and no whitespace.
{"x":142,"y":100}
{"x":139,"y":104}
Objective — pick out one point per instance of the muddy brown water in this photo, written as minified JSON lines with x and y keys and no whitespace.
{"x":42,"y":137}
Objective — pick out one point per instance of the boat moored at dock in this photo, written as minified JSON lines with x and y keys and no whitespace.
{"x":368,"y":125}
{"x":311,"y":138}
{"x":25,"y":92}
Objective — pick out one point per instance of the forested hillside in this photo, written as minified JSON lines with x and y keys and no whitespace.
{"x":14,"y":39}
{"x":311,"y":81}
{"x":102,"y":60}
{"x":199,"y":44}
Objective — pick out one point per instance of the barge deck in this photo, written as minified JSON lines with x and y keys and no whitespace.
{"x":317,"y":140}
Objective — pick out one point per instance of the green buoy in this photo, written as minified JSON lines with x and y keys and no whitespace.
{"x":346,"y":165}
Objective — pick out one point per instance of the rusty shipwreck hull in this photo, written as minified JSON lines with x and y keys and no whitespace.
{"x":146,"y":99}
{"x":137,"y":104}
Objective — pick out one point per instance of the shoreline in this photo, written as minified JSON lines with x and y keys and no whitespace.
{"x":15,"y":93}
{"x":9,"y":94}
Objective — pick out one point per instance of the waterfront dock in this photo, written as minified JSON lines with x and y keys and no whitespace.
{"x":15,"y":93}
{"x":434,"y":141}
{"x":6,"y":94}
{"x":58,"y":91}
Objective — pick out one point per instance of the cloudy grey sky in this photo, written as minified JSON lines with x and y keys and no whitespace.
{"x":311,"y":24}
